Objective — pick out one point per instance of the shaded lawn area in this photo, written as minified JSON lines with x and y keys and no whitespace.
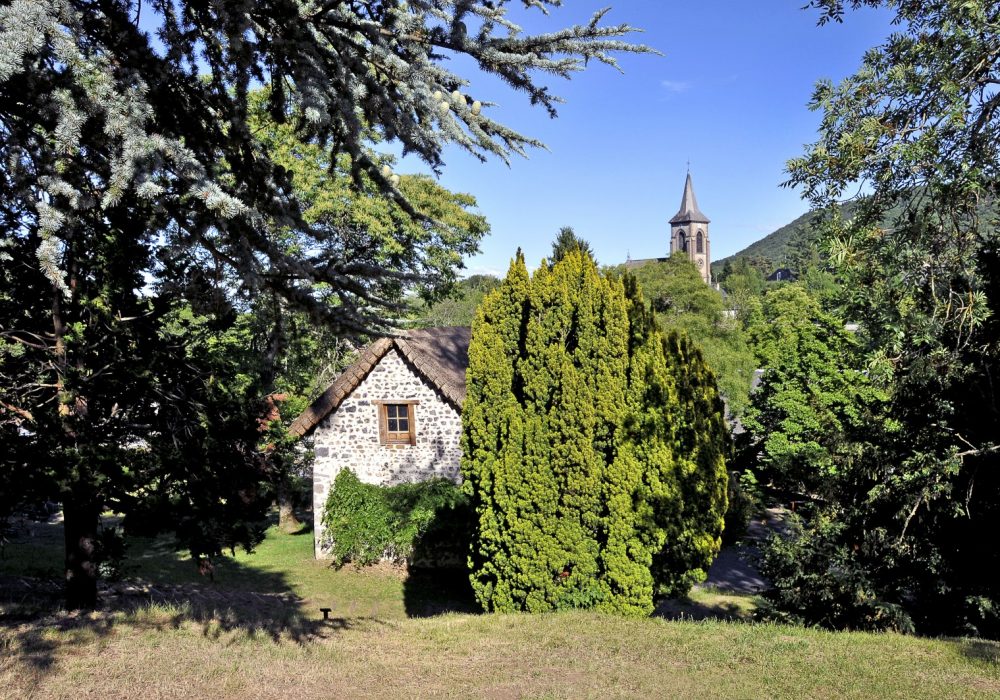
{"x":282,"y":567}
{"x":256,"y":631}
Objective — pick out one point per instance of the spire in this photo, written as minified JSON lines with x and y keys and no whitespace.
{"x":689,"y":207}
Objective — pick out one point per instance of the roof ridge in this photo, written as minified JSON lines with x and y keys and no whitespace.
{"x":341,"y":387}
{"x":430,"y":369}
{"x":412,"y":348}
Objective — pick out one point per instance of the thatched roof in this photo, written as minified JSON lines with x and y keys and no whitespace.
{"x":439,"y":355}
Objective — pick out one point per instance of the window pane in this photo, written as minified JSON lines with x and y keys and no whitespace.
{"x":397,"y":417}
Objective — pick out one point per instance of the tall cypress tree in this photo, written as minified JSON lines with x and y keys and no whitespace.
{"x":570,"y":436}
{"x":491,"y":418}
{"x":702,"y":442}
{"x":641,"y":489}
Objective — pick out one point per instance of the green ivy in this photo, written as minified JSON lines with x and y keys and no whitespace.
{"x":426,"y":523}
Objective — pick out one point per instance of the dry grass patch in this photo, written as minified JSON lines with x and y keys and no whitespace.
{"x":256,"y":631}
{"x":161,"y":653}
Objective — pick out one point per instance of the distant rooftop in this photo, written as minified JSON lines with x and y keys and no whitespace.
{"x":632,"y":264}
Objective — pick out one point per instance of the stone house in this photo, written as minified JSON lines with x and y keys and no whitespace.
{"x":394,"y":416}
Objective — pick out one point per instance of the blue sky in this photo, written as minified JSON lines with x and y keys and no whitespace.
{"x":729,"y":95}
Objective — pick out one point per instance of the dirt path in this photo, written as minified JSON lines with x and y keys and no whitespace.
{"x":734,"y":569}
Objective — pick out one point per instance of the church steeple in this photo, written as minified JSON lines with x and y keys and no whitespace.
{"x":689,"y":211}
{"x":689,"y":232}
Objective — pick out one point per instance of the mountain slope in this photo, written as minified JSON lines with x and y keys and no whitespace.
{"x":776,"y":249}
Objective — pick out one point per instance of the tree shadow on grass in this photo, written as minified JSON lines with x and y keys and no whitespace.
{"x":982,"y":650}
{"x":435,"y":591}
{"x":168,"y":593}
{"x":689,"y":609}
{"x":34,"y":628}
{"x":306,"y":529}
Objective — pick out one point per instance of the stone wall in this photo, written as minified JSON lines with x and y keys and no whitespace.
{"x":349,"y":437}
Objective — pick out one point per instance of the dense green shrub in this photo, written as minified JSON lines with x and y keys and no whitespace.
{"x":818,"y":580}
{"x":426,"y":522}
{"x":575,"y":454}
{"x":702,"y":442}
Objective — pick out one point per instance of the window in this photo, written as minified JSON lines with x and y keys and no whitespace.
{"x":701,"y":243}
{"x":682,"y":241}
{"x":396,"y":423}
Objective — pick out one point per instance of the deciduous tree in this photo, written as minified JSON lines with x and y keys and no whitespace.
{"x":815,"y":409}
{"x":918,"y":125}
{"x":684,"y":303}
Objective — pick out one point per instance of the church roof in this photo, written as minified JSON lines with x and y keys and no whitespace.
{"x":440,"y":355}
{"x":689,"y":211}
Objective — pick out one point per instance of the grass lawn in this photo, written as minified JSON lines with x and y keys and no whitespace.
{"x":256,"y":631}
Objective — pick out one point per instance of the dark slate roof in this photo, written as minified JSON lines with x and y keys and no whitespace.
{"x":439,"y":355}
{"x":689,"y":211}
{"x":633,"y":264}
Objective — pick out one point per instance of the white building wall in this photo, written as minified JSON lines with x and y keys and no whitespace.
{"x":349,"y":437}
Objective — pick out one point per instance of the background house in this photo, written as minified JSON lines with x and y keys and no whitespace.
{"x":393,"y":416}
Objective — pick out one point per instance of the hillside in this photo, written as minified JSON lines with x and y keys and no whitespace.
{"x":777,"y":247}
{"x":774,"y":247}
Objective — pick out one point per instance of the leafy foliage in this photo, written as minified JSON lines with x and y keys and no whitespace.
{"x":571,"y":433}
{"x":426,"y":522}
{"x":745,"y":500}
{"x":684,"y":303}
{"x":360,"y":222}
{"x":918,"y":125}
{"x":818,"y":581}
{"x":459,"y":307}
{"x":814,"y":409}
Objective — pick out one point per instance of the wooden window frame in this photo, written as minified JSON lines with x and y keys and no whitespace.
{"x":385,"y":437}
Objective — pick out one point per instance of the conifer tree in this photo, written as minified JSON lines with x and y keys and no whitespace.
{"x":571,"y":439}
{"x":566,"y":241}
{"x":702,"y":443}
{"x":493,"y":432}
{"x":641,"y":489}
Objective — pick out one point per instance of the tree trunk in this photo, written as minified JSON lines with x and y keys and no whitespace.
{"x":287,"y":521}
{"x":80,"y":520}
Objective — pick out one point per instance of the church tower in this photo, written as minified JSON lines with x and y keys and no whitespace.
{"x":689,"y":233}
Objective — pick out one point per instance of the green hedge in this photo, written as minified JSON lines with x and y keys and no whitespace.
{"x":426,"y":523}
